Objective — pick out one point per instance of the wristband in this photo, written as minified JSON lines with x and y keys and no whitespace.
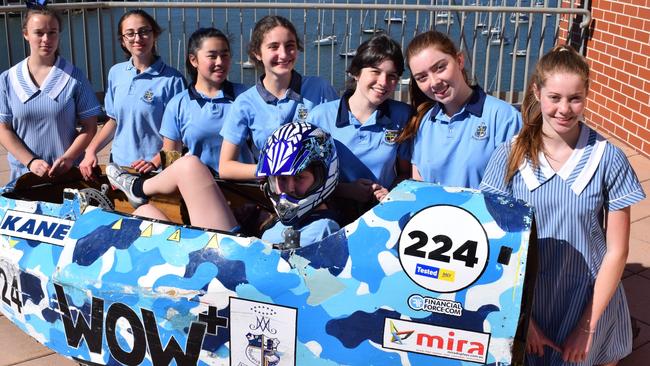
{"x":30,"y":162}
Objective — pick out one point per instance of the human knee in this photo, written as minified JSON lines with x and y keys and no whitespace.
{"x":191,"y":165}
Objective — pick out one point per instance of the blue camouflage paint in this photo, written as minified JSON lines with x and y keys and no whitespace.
{"x":342,"y":289}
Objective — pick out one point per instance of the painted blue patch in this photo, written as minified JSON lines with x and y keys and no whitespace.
{"x":229,"y":273}
{"x":354,"y":329}
{"x":93,"y":246}
{"x":31,"y":286}
{"x":331,"y":253}
{"x":510,"y":214}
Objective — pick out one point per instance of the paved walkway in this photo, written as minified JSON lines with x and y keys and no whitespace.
{"x":16,"y":348}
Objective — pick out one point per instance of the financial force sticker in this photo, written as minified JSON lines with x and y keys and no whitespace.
{"x":443,"y":248}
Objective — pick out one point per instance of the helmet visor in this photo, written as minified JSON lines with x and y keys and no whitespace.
{"x":299,"y":185}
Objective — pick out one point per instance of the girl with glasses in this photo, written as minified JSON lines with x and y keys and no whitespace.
{"x":41,"y":100}
{"x":136,"y":96}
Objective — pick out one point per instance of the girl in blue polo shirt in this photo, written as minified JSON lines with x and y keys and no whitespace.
{"x":281,"y":95}
{"x":136,"y":96}
{"x":365,"y":123}
{"x":578,"y":184}
{"x":41,"y":100}
{"x":195,"y":116}
{"x":457,"y":126}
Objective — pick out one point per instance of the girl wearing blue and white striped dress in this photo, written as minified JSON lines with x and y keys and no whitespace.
{"x":41,"y":99}
{"x":579,"y":184}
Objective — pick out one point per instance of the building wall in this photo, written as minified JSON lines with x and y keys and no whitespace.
{"x":618,"y":51}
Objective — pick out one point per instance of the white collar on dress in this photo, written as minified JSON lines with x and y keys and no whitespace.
{"x":53,"y":84}
{"x":588,"y":142}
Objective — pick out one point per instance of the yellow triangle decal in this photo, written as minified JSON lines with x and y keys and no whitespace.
{"x":213,"y":242}
{"x":13,"y":242}
{"x":146,"y":233}
{"x":117,"y":225}
{"x":176,"y":236}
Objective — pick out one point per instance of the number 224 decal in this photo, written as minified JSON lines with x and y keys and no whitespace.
{"x":444,"y":248}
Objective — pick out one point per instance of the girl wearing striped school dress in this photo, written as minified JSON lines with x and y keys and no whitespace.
{"x":280,"y":96}
{"x":582,"y":188}
{"x":195,"y":116}
{"x":41,"y":100}
{"x":137,"y":93}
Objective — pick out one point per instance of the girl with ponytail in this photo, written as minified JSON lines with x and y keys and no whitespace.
{"x":582,"y":188}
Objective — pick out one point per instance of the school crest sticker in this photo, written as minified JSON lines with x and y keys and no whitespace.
{"x":390,"y":136}
{"x":148,"y":96}
{"x":262,"y":334}
{"x":481,"y":131}
{"x":301,"y":113}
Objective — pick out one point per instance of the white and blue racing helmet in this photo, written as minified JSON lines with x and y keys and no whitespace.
{"x":289,"y":150}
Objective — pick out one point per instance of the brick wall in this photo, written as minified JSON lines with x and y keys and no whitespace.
{"x":618,"y":51}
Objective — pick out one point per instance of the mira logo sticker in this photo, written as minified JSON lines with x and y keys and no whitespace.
{"x":436,"y":341}
{"x":46,"y":229}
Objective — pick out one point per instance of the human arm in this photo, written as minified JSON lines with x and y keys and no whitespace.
{"x":415,"y":173}
{"x":404,"y":171}
{"x":65,"y":161}
{"x":16,"y":147}
{"x":403,"y":168}
{"x":229,"y":165}
{"x":578,"y":343}
{"x":101,"y":139}
{"x":143,"y":166}
{"x":360,"y":190}
{"x":172,"y":145}
{"x":536,"y":340}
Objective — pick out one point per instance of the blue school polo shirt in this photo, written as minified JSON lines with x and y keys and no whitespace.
{"x":454,"y":151}
{"x":257,"y":113}
{"x":196,"y":120}
{"x":136,"y":101}
{"x":45,"y":118}
{"x":365,"y":150}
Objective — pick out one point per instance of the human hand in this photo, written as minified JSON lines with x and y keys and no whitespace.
{"x":143,"y":166}
{"x":379,"y":191}
{"x":537,"y":340}
{"x":578,"y":344}
{"x":39,"y":167}
{"x":363,"y":191}
{"x":87,"y":165}
{"x":60,"y":166}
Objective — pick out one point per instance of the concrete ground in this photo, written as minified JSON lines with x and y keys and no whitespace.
{"x":17,"y":348}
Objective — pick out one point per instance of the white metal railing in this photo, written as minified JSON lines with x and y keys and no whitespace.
{"x":499,"y":60}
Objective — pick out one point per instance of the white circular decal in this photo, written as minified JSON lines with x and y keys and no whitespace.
{"x":443,"y":248}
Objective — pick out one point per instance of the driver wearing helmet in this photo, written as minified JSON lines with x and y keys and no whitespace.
{"x":301,"y":166}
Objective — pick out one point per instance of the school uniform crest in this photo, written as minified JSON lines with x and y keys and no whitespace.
{"x":148,"y":96}
{"x":301,"y":113}
{"x":481,"y":131}
{"x":390,"y":136}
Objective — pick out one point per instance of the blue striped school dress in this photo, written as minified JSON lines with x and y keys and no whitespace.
{"x":45,"y":118}
{"x":569,"y":207}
